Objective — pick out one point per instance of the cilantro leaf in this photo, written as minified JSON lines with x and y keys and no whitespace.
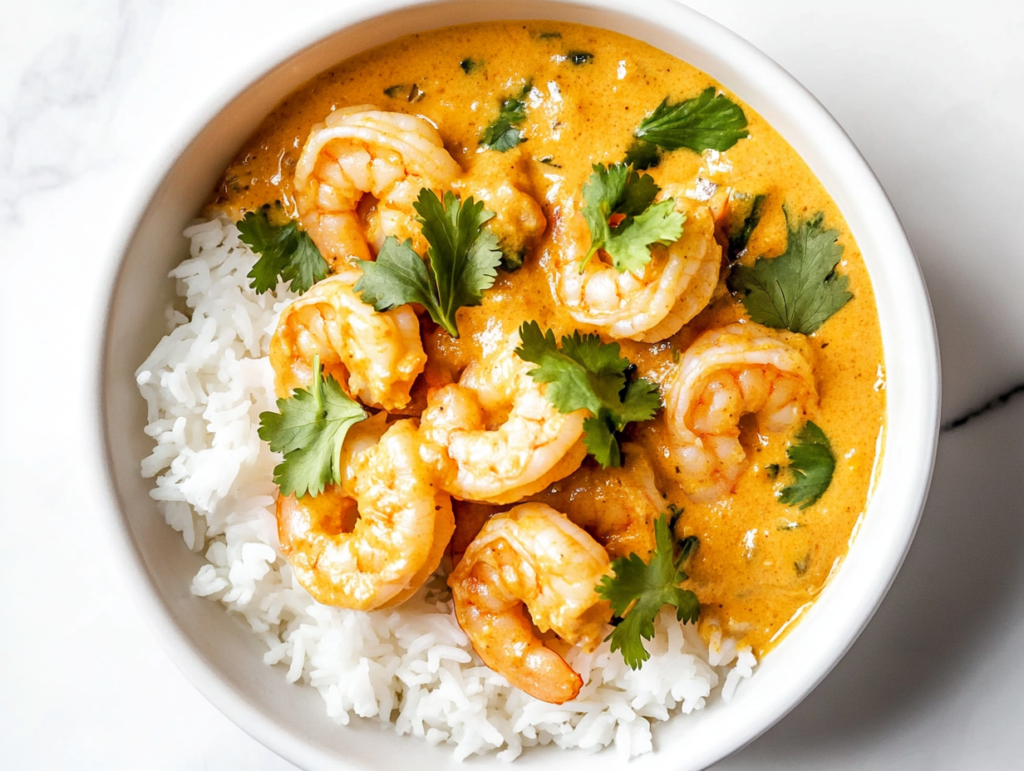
{"x":463,"y":260}
{"x":286,"y":254}
{"x":502,"y":134}
{"x":739,"y":235}
{"x":586,"y":374}
{"x":309,"y":430}
{"x":638,"y":591}
{"x":706,"y":122}
{"x":642,"y":155}
{"x":621,"y":193}
{"x":812,"y":464}
{"x":800,"y":289}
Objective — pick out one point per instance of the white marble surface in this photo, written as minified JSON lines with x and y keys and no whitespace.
{"x":93,"y":93}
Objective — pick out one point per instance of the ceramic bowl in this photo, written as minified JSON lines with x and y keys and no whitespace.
{"x":225,"y":662}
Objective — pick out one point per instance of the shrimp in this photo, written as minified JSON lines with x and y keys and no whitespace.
{"x":501,"y":181}
{"x":375,"y":355}
{"x":726,"y":373}
{"x":617,"y":506}
{"x":502,"y":438}
{"x":360,"y":150}
{"x":649,"y":304}
{"x":373,"y":540}
{"x":532,"y":556}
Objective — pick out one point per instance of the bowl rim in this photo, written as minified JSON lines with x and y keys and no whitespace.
{"x":777,"y":85}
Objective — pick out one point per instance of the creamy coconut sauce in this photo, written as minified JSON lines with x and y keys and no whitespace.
{"x":759,"y":563}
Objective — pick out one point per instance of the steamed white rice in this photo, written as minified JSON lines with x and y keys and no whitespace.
{"x":206,"y":384}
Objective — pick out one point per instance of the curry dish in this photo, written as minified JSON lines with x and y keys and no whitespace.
{"x":573,"y":98}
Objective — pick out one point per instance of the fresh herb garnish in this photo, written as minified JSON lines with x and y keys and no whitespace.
{"x":309,"y":430}
{"x":549,"y":160}
{"x":773,"y":470}
{"x":637,"y":592}
{"x":642,"y":155}
{"x":800,"y":289}
{"x":549,"y":36}
{"x":739,"y":236}
{"x":411,"y":93}
{"x":286,"y":254}
{"x":812,"y":463}
{"x":623,"y":194}
{"x":502,"y":134}
{"x":706,"y":122}
{"x":580,"y":57}
{"x":586,"y":374}
{"x":462,"y":256}
{"x":470,"y":65}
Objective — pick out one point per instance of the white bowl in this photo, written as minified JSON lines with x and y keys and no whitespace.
{"x":225,"y":661}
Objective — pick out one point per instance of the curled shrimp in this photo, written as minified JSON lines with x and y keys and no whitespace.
{"x":648,"y":304}
{"x":501,"y":181}
{"x":617,"y":506}
{"x":375,"y":355}
{"x":362,"y":150}
{"x":502,"y":438}
{"x":373,"y":540}
{"x":725,"y":374}
{"x":532,"y":556}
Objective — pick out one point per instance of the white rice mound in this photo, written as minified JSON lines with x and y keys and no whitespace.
{"x":206,"y":384}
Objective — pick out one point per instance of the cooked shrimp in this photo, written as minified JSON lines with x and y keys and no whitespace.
{"x":362,"y":150}
{"x":501,"y":181}
{"x":503,"y":439}
{"x":375,"y":356}
{"x":373,"y":540}
{"x":532,"y":556}
{"x":726,"y":373}
{"x":617,"y":506}
{"x":647,"y":305}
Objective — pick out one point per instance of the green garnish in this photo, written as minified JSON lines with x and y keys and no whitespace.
{"x":471,"y":65}
{"x":812,"y":463}
{"x":580,"y":57}
{"x":587,"y":374}
{"x":411,"y":93}
{"x":462,"y":257}
{"x":309,"y":430}
{"x":549,"y":36}
{"x":642,"y":155}
{"x":739,"y":236}
{"x":706,"y":122}
{"x":800,"y":289}
{"x":502,"y":134}
{"x":628,"y":196}
{"x":773,"y":470}
{"x":286,"y":254}
{"x":638,"y":591}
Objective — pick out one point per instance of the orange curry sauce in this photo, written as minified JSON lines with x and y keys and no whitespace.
{"x":759,"y":563}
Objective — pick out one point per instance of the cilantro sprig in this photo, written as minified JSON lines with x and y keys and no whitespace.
{"x":812,"y":462}
{"x":800,"y":289}
{"x":586,"y":374}
{"x":706,"y":122}
{"x":501,"y":134}
{"x":463,"y":260}
{"x":621,"y":194}
{"x":286,"y":254}
{"x":309,"y":429}
{"x":637,"y":592}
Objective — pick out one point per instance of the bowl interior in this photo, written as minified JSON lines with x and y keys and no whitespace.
{"x":225,"y":661}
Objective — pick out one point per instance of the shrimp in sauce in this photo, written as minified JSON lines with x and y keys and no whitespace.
{"x":725,"y":374}
{"x":531,"y":557}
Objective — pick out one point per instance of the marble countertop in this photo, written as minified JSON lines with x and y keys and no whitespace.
{"x":94,"y":93}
